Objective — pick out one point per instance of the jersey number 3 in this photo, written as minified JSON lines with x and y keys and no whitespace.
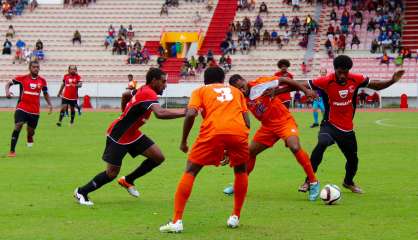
{"x":225,"y":94}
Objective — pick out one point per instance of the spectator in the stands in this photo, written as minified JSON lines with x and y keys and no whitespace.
{"x":145,"y":56}
{"x":130,"y":33}
{"x":238,"y":26}
{"x":304,"y":42}
{"x":295,"y":5}
{"x":20,"y":44}
{"x":385,"y":59}
{"x":115,"y":47}
{"x":201,"y":61}
{"x":242,"y":4}
{"x":209,"y":5}
{"x":330,"y":30}
{"x":405,"y":52}
{"x":76,"y":37}
{"x":164,"y":10}
{"x":341,"y":42}
{"x":197,"y":18}
{"x":258,"y":23}
{"x":399,"y":60}
{"x":286,"y":37}
{"x":229,"y":62}
{"x":209,"y":55}
{"x":111,"y":32}
{"x":39,"y":45}
{"x":358,"y":19}
{"x":160,"y":60}
{"x":10,"y":32}
{"x":122,"y":46}
{"x":355,"y":41}
{"x":283,"y":21}
{"x":244,"y":46}
{"x":27,"y":55}
{"x":304,"y":68}
{"x":137,"y":45}
{"x":122,"y":32}
{"x":33,"y":5}
{"x":295,"y":28}
{"x":108,"y":41}
{"x":371,"y":25}
{"x":224,"y":46}
{"x":328,"y":48}
{"x":273,"y":36}
{"x":279,"y":42}
{"x":246,"y":24}
{"x":375,"y":46}
{"x":263,"y":8}
{"x":333,"y":15}
{"x":193,"y":62}
{"x":7,"y":47}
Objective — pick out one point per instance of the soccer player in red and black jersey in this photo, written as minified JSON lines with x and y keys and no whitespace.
{"x":283,"y":65}
{"x":339,"y":92}
{"x":123,"y":136}
{"x":70,"y":85}
{"x":28,"y":106}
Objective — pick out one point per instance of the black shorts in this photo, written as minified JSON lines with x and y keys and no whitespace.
{"x":114,"y":152}
{"x":72,"y":103}
{"x":28,"y":118}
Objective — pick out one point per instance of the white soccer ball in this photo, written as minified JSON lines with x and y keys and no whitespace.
{"x":330,"y":194}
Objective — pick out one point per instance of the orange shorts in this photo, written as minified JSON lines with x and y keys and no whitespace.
{"x":211,"y":151}
{"x":270,"y":135}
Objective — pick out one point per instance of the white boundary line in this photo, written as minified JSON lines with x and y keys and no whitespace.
{"x":381,"y":123}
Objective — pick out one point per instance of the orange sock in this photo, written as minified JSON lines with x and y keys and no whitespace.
{"x":240,"y":191}
{"x":250,"y":165}
{"x":305,"y":162}
{"x":182,"y":195}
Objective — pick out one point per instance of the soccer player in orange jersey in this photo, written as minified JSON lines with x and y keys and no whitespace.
{"x":276,"y":123}
{"x":225,"y":127}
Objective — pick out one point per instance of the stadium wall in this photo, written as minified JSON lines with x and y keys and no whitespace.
{"x":107,"y":95}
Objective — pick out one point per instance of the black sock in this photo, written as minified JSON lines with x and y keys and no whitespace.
{"x":15,"y":136}
{"x":72,"y":116}
{"x":98,"y":181}
{"x":146,"y":166}
{"x":62,"y":113}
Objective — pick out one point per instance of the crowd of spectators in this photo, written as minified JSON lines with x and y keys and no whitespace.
{"x":122,"y":42}
{"x":10,"y":8}
{"x":387,"y":21}
{"x":79,"y":3}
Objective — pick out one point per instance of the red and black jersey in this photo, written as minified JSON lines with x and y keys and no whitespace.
{"x":125,"y":129}
{"x":339,"y":100}
{"x":284,"y":97}
{"x":30,"y":90}
{"x":71,"y":86}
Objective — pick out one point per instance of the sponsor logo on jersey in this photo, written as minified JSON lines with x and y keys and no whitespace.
{"x":33,"y":85}
{"x":343,"y":93}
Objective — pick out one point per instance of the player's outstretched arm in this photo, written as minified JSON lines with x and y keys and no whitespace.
{"x":299,"y":86}
{"x":379,"y":85}
{"x":7,"y":89}
{"x":191,"y":114}
{"x":162,"y":113}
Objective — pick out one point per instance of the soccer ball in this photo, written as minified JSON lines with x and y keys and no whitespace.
{"x":330,"y":194}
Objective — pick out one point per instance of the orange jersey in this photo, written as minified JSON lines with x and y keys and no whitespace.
{"x":222,"y":108}
{"x":269,"y":110}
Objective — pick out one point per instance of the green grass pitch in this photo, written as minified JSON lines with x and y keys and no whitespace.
{"x":36,"y":187}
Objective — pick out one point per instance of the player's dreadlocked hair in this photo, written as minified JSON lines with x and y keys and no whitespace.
{"x":283,"y":62}
{"x":344,"y":62}
{"x":154,"y":73}
{"x":214,"y":75}
{"x":234,"y":79}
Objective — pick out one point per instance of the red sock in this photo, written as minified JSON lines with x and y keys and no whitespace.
{"x":250,"y":165}
{"x":240,"y":191}
{"x":305,"y":162}
{"x":182,"y":195}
